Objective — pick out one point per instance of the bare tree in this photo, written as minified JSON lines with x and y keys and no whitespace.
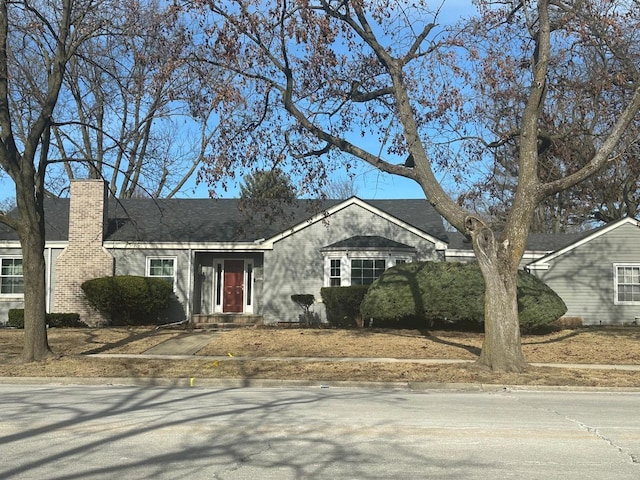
{"x":37,"y":39}
{"x":587,"y":85}
{"x":340,"y":188}
{"x":124,"y":106}
{"x":320,"y":77}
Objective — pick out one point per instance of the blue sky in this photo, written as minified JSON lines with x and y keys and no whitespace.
{"x":369,"y":182}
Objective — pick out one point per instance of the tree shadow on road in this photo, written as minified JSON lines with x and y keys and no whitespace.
{"x":152,"y":432}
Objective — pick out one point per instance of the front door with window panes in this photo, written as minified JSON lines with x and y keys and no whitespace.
{"x":233,"y":301}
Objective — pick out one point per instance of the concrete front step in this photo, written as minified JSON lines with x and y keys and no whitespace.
{"x":226,"y":320}
{"x":222,"y":326}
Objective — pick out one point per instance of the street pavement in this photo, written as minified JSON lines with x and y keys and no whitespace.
{"x":69,"y":432}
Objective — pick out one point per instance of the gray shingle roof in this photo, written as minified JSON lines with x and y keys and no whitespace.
{"x":539,"y":242}
{"x":217,"y":220}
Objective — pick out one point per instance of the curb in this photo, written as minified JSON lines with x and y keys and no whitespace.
{"x":195,"y":382}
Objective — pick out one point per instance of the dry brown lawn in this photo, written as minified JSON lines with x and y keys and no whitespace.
{"x":73,"y":349}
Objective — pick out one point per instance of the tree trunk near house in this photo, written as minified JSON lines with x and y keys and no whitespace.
{"x":36,"y":345}
{"x":501,"y":348}
{"x":31,"y":233}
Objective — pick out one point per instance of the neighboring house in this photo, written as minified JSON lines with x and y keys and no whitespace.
{"x":598,"y":275}
{"x":226,"y":263}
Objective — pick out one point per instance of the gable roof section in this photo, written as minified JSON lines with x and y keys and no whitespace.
{"x":542,"y":263}
{"x":417,"y":216}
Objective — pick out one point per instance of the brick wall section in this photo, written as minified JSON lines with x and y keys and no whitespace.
{"x":85,"y":257}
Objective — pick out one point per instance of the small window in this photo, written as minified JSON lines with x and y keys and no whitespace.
{"x":627,"y":283}
{"x":162,"y":268}
{"x":334,"y":275}
{"x":11,"y":279}
{"x":365,"y":271}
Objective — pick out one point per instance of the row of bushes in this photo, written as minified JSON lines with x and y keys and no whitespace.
{"x":123,"y":300}
{"x":343,"y":305}
{"x":16,"y":319}
{"x":424,"y":294}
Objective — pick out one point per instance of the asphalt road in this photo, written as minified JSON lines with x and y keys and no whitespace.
{"x":104,"y":432}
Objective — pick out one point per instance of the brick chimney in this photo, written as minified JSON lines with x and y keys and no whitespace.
{"x":85,"y":257}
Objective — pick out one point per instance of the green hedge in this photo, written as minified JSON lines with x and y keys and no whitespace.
{"x":128,"y":299}
{"x":16,"y":319}
{"x":429,"y":293}
{"x":343,"y":304}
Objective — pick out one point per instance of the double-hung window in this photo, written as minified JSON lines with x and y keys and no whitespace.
{"x":335,"y":272}
{"x":162,"y":267}
{"x":627,"y":284}
{"x":11,"y":279}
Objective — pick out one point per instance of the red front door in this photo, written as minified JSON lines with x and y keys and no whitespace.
{"x":233,"y":300}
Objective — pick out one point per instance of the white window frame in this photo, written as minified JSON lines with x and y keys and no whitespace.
{"x":616,"y":283}
{"x":11,"y":295}
{"x":333,"y":277}
{"x":345,"y":258}
{"x":160,"y":257}
{"x":248,"y":295}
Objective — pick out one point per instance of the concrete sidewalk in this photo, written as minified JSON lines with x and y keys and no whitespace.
{"x":425,"y":361}
{"x":186,"y":344}
{"x":185,"y":347}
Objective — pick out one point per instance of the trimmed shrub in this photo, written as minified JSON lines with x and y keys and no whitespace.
{"x":128,"y":299}
{"x":16,"y":318}
{"x":305,"y":301}
{"x":343,"y":305}
{"x":72,"y":320}
{"x":426,"y":293}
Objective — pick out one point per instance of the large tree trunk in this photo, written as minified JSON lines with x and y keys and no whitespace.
{"x":36,"y":345}
{"x":501,"y":349}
